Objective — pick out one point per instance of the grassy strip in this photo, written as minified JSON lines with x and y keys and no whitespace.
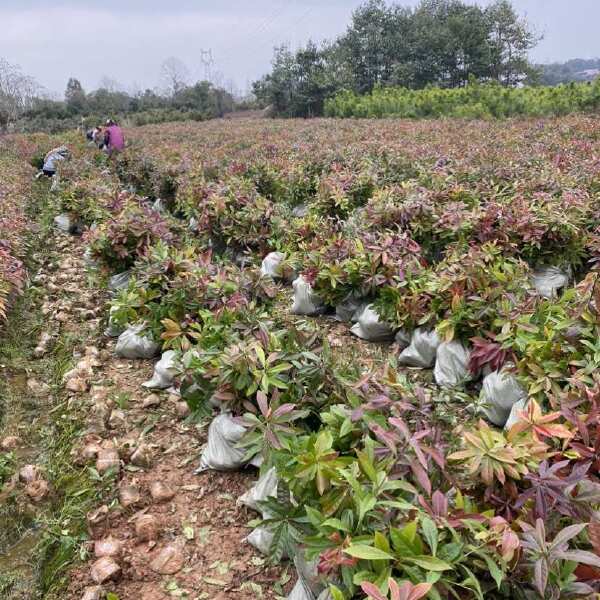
{"x":50,"y":538}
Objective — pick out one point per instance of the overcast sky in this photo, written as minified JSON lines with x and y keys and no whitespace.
{"x":127,"y":40}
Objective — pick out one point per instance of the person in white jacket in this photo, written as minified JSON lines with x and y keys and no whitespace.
{"x":54,"y":156}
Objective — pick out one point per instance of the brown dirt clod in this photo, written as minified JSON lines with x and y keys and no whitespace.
{"x":105,"y":569}
{"x":146,"y":528}
{"x":169,"y":560}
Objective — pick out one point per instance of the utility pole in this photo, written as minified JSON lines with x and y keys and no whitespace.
{"x":207,"y":59}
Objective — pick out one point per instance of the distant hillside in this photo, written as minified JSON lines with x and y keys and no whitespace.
{"x":577,"y":69}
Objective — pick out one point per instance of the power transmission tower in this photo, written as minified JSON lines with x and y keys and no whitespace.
{"x":207,"y":59}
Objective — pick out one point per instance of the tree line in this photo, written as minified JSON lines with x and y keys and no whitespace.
{"x":24,"y":105}
{"x":440,"y":42}
{"x":576,"y":69}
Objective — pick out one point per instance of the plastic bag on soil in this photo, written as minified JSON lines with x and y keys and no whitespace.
{"x":221,"y":452}
{"x":452,"y":364}
{"x":132,"y":344}
{"x":159,"y":205}
{"x":402,"y":339}
{"x":265,"y":487}
{"x":113,"y":330}
{"x":309,"y":585}
{"x":500,"y":392}
{"x":300,"y":211}
{"x":261,"y":539}
{"x":64,"y":223}
{"x":301,"y":592}
{"x":55,"y":183}
{"x":164,"y":372}
{"x":350,"y":309}
{"x":270,"y":264}
{"x":242,"y":260}
{"x":370,"y":327}
{"x":89,"y":260}
{"x":306,"y":302}
{"x":119,"y":281}
{"x":549,"y":280}
{"x":422,"y":350}
{"x":517,"y":408}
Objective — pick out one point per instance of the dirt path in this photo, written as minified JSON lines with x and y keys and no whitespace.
{"x":91,"y":455}
{"x":197,"y":550}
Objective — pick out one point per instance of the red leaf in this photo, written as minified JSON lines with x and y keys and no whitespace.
{"x":421,"y":475}
{"x":372,"y":591}
{"x":587,"y":573}
{"x":440,"y":504}
{"x":263,"y":403}
{"x":594,"y":534}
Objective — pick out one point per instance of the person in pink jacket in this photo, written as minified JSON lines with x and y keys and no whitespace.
{"x":114,"y":141}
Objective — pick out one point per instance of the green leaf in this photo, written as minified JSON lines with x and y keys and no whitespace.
{"x":346,"y":428}
{"x":451,"y":551}
{"x":400,"y":484}
{"x":493,"y":568}
{"x":366,"y":465}
{"x":335,"y":524}
{"x":336,"y":593}
{"x":473,"y":584}
{"x":430,"y":532}
{"x":365,"y":552}
{"x":323,"y":442}
{"x":433,"y":593}
{"x":403,"y":505}
{"x":278,"y":383}
{"x":365,"y":505}
{"x":429,"y":563}
{"x":381,"y":542}
{"x":315,"y":517}
{"x":260,"y":353}
{"x":406,"y":542}
{"x":409,"y":531}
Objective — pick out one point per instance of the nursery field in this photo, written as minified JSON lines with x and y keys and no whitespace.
{"x":474,"y":101}
{"x":378,"y":343}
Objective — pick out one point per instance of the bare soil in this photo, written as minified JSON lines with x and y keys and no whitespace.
{"x":201,"y":524}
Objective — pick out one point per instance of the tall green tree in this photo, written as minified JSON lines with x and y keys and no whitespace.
{"x":440,"y":42}
{"x":378,"y":38}
{"x":75,"y":96}
{"x":298,"y":84}
{"x":511,"y":39}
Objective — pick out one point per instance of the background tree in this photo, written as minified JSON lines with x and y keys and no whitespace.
{"x":299,"y":82}
{"x":205,"y":99}
{"x":440,"y":42}
{"x":75,"y":96}
{"x":376,"y":40}
{"x":577,"y":69}
{"x":277,"y":88}
{"x":174,"y":75}
{"x":511,"y":39}
{"x":17,"y":92}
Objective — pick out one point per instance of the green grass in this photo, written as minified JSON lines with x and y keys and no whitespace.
{"x":55,"y":532}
